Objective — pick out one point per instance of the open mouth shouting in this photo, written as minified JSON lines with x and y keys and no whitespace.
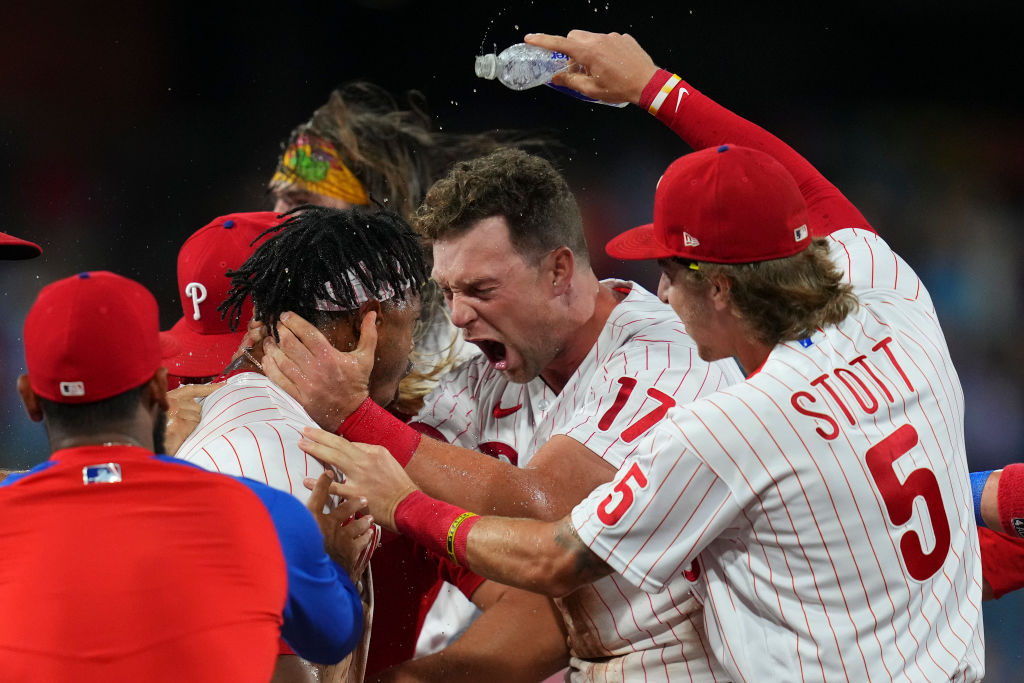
{"x":495,"y":352}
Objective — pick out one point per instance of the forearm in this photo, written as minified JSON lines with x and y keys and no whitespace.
{"x":483,"y":484}
{"x":703,"y":123}
{"x":519,"y":638}
{"x":476,"y":481}
{"x":541,"y":557}
{"x":999,"y":499}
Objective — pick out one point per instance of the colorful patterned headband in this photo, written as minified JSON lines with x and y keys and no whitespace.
{"x":313,"y":164}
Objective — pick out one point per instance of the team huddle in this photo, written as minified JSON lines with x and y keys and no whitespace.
{"x":404,"y":432}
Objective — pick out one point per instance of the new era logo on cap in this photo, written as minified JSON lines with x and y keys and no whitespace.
{"x":689,"y":240}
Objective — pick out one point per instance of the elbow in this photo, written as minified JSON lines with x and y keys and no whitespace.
{"x":331,"y":645}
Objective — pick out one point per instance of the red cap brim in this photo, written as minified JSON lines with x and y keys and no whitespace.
{"x":15,"y":249}
{"x":637,"y":244}
{"x":198,"y":355}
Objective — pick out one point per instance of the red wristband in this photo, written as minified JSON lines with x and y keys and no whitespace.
{"x":372,"y":424}
{"x":438,"y":526}
{"x":1011,"y":499}
{"x":658,"y":89}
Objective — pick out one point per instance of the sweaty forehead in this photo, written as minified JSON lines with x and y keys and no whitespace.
{"x":481,"y":253}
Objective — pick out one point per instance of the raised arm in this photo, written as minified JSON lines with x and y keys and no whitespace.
{"x":613,"y":67}
{"x":331,"y":385}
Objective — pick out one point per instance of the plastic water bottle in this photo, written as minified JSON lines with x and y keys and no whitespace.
{"x":523,"y":66}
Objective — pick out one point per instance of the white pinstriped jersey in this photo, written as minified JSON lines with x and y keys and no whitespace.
{"x":250,"y":427}
{"x":643,"y":362}
{"x":824,"y":504}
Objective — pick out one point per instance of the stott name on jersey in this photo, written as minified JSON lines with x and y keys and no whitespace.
{"x":855,"y":387}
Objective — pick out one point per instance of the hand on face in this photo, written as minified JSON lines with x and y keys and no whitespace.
{"x":611,"y":67}
{"x":330,"y":384}
{"x":184,"y":413}
{"x":370,"y":473}
{"x":350,"y":541}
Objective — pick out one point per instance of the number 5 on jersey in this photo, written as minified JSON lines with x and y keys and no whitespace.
{"x":899,"y":501}
{"x":622,"y":487}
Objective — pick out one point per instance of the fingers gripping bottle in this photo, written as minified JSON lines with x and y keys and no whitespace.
{"x":523,"y":66}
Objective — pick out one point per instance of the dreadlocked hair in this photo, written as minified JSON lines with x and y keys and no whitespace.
{"x":316,"y":254}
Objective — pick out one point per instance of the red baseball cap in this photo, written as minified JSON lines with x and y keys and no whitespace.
{"x":724,"y":204}
{"x":205,"y":340}
{"x":15,"y":249}
{"x":91,"y":336}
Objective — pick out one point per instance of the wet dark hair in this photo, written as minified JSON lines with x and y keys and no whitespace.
{"x":315,"y":246}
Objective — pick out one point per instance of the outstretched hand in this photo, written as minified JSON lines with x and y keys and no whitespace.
{"x":349,"y":540}
{"x":370,"y":473}
{"x":330,"y":384}
{"x":611,"y":67}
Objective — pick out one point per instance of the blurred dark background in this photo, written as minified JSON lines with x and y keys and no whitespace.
{"x":124,"y":127}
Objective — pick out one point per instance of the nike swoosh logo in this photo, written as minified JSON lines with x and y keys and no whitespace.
{"x":500,"y":412}
{"x":679,"y":97}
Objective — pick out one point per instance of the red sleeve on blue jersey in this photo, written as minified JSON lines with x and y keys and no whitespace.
{"x":703,"y":123}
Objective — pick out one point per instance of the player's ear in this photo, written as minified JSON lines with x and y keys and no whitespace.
{"x":29,"y":398}
{"x":561,"y":265}
{"x":357,"y":320}
{"x":720,"y":292}
{"x":156,"y":389}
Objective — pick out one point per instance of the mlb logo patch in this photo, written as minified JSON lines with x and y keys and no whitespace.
{"x":1018,"y":526}
{"x":104,"y":473}
{"x":800,"y":233}
{"x":72,"y":388}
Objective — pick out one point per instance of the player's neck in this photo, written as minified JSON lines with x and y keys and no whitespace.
{"x":251,"y":360}
{"x":581,"y":338}
{"x":113,"y":436}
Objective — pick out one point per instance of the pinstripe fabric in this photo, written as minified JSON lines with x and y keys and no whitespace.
{"x":642,"y":361}
{"x":821,"y":510}
{"x":250,"y":427}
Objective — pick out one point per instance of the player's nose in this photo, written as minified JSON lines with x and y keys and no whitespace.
{"x":462,"y":313}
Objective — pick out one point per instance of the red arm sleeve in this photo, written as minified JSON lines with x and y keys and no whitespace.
{"x":1002,"y":561}
{"x":703,"y":123}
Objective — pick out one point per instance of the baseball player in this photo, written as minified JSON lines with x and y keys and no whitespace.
{"x":820,"y":510}
{"x":573,"y":372}
{"x":122,"y":565}
{"x":341,"y":269}
{"x":15,"y":249}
